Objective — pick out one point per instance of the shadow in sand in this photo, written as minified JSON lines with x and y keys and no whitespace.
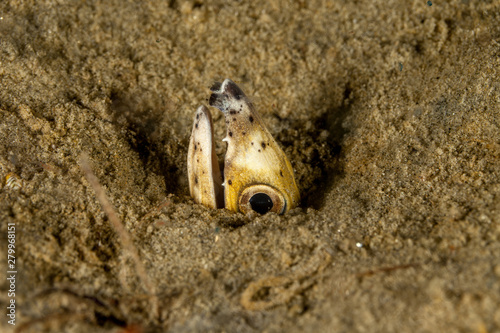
{"x":328,"y":162}
{"x":143,"y":137}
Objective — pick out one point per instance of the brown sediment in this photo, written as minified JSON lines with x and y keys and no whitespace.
{"x":388,"y":112}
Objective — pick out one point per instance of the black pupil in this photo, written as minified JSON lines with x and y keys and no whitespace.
{"x":261,"y":203}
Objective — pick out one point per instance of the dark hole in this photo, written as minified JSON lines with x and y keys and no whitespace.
{"x":261,"y":203}
{"x":214,"y":98}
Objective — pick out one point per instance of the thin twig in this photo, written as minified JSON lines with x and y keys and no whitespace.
{"x":123,"y":235}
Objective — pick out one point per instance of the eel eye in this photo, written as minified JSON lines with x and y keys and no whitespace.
{"x":262,"y":199}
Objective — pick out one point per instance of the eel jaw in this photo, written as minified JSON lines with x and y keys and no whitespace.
{"x":205,"y":181}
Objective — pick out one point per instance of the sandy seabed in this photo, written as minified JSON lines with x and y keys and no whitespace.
{"x":388,"y":110}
